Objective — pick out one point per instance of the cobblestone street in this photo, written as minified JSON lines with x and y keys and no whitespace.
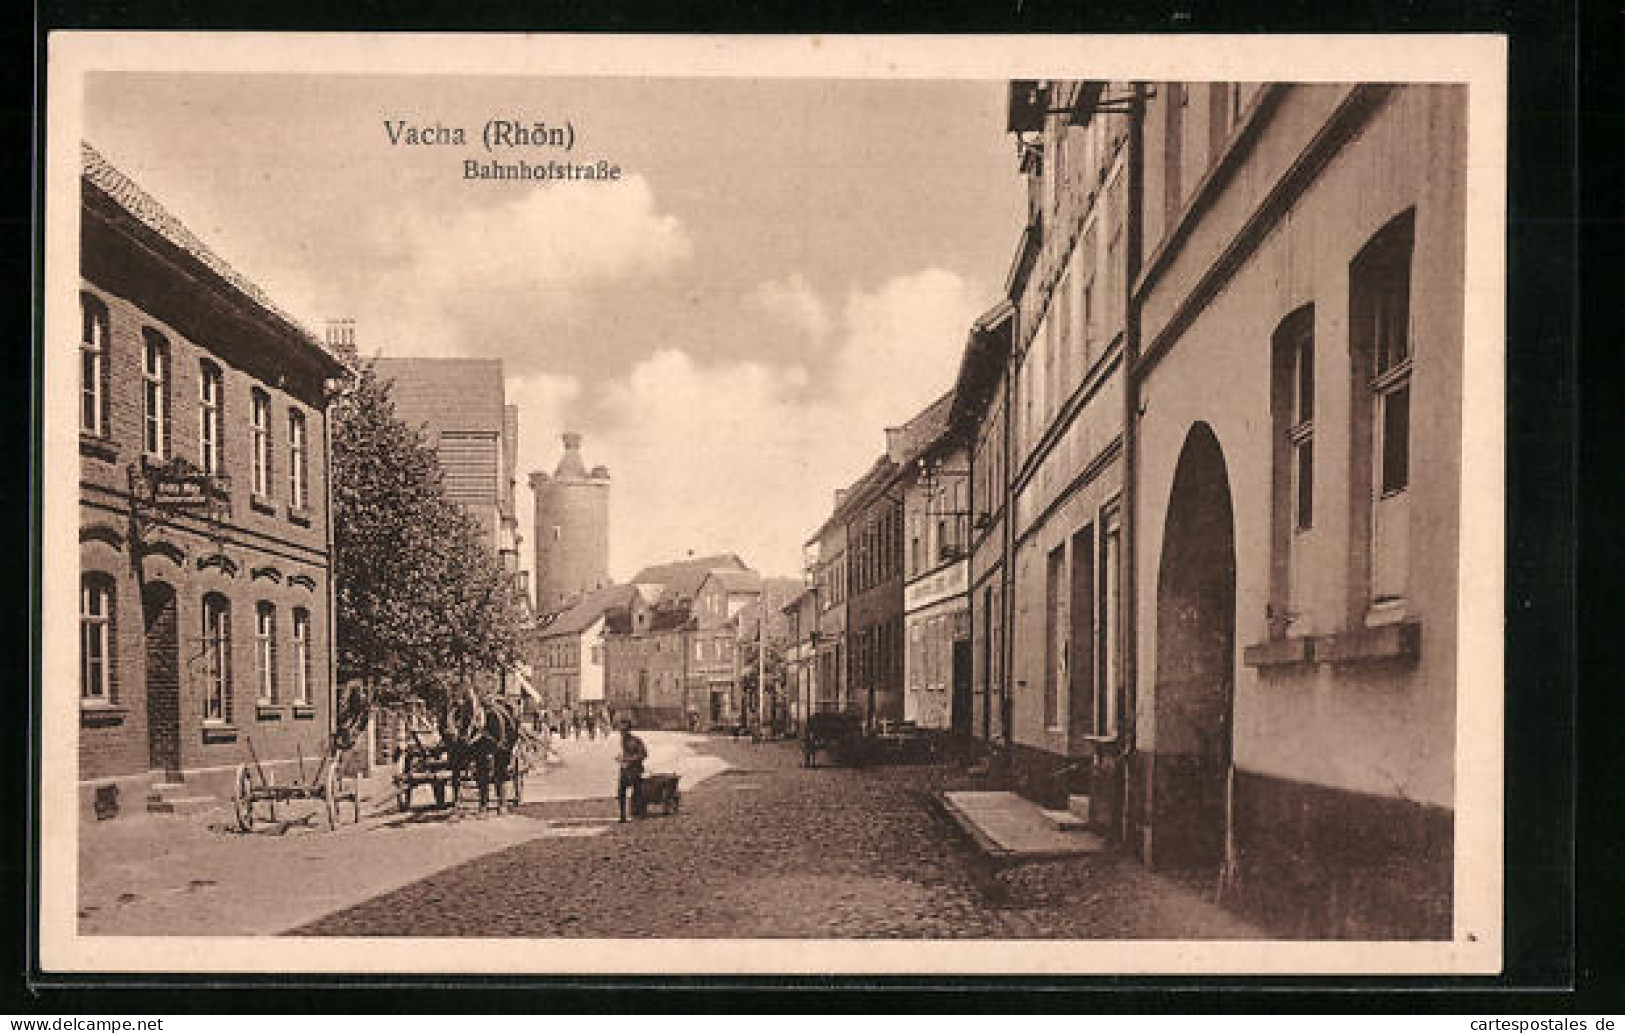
{"x":769,"y":849}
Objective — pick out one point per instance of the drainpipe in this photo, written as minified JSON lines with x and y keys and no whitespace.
{"x":332,"y":589}
{"x":1006,"y":573}
{"x":1133,"y":233}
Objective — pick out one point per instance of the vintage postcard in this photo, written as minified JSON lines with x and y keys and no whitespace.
{"x":773,"y":505}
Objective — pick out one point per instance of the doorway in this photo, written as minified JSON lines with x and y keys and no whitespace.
{"x":1195,"y":650}
{"x":163,"y":680}
{"x":959,"y":705}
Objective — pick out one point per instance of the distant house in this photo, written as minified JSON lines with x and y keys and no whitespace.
{"x":669,"y":643}
{"x":568,"y":651}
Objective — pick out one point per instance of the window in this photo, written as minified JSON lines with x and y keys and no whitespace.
{"x":262,"y":443}
{"x":301,"y":657}
{"x":93,"y":376}
{"x":96,"y":639}
{"x":211,"y":403}
{"x":155,"y":395}
{"x":1110,"y":652}
{"x":1381,"y":345}
{"x":298,"y":461}
{"x":216,"y":658}
{"x":1292,"y":463}
{"x":265,"y":652}
{"x":1055,"y":644}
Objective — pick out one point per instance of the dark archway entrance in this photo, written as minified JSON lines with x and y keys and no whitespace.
{"x":1196,"y":650}
{"x":163,"y":679}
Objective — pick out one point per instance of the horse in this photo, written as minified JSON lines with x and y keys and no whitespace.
{"x":481,"y":734}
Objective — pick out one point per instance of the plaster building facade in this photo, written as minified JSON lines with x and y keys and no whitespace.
{"x":826,"y":567}
{"x":934,"y":475}
{"x":572,"y":529}
{"x":801,"y":655}
{"x":1296,"y":671}
{"x":205,"y":610}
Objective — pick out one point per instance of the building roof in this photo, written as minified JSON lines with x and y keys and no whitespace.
{"x":737,"y":580}
{"x":916,"y":437}
{"x":447,"y":394}
{"x":856,"y":494}
{"x":100,"y":174}
{"x":578,"y":618}
{"x":684,"y":577}
{"x":987,"y":348}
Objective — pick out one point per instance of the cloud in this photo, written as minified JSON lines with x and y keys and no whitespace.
{"x":500,"y":278}
{"x":543,"y":403}
{"x":742,"y":456}
{"x":792,"y":302}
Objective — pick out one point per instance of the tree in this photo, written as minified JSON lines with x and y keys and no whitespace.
{"x":421,"y":601}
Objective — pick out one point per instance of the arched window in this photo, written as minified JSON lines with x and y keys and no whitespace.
{"x":211,"y":414}
{"x":265,"y":652}
{"x":1292,"y":422}
{"x":154,"y":395}
{"x":216,"y":658}
{"x":93,"y":372}
{"x":1381,"y":348}
{"x":96,"y":641}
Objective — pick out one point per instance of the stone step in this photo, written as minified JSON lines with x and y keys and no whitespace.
{"x":180,"y":804}
{"x":1066,"y":821}
{"x":1079,"y":805}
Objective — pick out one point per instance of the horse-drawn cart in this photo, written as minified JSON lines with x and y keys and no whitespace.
{"x":256,"y":791}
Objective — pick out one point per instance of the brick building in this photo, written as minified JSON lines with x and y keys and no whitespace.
{"x":874,"y":607}
{"x":205,"y":617}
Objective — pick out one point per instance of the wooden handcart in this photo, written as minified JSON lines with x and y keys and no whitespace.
{"x":659,"y":790}
{"x":258,"y":793}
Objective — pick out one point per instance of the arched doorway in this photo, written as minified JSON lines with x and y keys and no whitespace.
{"x":163,"y":679}
{"x":1196,"y":649}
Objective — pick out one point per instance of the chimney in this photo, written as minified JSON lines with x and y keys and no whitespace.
{"x":840,"y":497}
{"x":572,"y":441}
{"x":894,"y":444}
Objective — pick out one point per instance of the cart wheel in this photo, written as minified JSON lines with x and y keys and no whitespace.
{"x":243,"y":800}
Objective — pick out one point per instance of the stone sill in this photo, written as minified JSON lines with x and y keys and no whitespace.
{"x":268,"y":711}
{"x":299,"y":516}
{"x":261,"y":504}
{"x":219,"y":733}
{"x":304,"y":712}
{"x":1388,"y":643}
{"x":1291,"y":651}
{"x":97,"y":715}
{"x":105,"y":449}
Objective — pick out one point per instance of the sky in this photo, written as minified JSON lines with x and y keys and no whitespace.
{"x":784,"y":269}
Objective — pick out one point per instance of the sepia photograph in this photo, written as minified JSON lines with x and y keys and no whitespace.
{"x":773,"y":505}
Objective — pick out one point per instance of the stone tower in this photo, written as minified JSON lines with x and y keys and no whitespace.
{"x":572,"y":529}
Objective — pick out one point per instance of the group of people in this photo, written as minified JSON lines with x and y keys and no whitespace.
{"x":568,"y":724}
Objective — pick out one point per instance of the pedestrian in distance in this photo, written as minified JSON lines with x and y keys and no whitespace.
{"x":630,"y":759}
